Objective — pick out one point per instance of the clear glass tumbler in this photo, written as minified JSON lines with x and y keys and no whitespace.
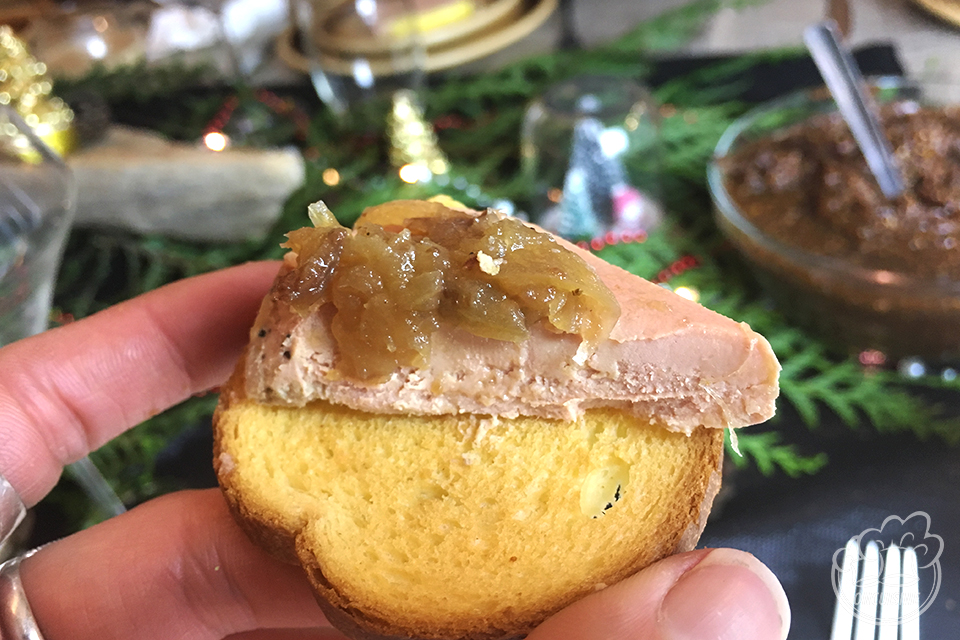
{"x":37,"y":199}
{"x":591,"y":154}
{"x":361,"y":52}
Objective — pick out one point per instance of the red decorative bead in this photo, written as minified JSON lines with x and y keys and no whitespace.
{"x":872,"y":358}
{"x":450,"y":121}
{"x":61,"y":318}
{"x":280,"y":106}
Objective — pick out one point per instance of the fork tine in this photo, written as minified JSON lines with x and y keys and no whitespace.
{"x":890,"y":598}
{"x":846,"y":595}
{"x":910,"y":596}
{"x":866,"y":627}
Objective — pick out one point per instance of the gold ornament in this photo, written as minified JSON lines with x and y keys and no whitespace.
{"x":24,"y":85}
{"x":413,"y":144}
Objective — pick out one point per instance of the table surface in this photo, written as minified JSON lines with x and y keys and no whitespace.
{"x":928,"y":45}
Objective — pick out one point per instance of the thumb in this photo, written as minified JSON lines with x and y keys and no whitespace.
{"x":711,"y":594}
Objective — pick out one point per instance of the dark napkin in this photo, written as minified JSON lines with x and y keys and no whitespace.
{"x":796,"y":525}
{"x":766,"y":80}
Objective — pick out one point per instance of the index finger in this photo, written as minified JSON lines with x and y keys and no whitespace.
{"x":69,"y":390}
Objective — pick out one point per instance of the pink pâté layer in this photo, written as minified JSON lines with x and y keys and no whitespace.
{"x":667,"y":360}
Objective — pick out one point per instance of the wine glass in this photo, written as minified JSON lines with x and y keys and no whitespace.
{"x":361,"y":52}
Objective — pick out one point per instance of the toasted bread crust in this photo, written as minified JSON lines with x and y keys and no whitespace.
{"x":263,"y":528}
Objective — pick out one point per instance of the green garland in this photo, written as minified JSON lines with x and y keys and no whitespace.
{"x":104,"y":267}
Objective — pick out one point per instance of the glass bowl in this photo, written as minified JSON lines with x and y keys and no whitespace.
{"x":854,"y":308}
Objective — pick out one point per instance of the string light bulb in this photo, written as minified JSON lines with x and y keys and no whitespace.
{"x":414,"y":173}
{"x":216,"y":141}
{"x":688,"y":292}
{"x":331,"y":177}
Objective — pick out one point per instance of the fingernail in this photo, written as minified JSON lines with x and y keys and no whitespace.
{"x":729,"y":595}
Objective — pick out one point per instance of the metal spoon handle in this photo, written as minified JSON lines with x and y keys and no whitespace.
{"x":857,"y":107}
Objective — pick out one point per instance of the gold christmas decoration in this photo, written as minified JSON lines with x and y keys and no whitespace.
{"x":24,"y":85}
{"x":413,"y":143}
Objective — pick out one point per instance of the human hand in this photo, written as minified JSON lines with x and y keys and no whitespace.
{"x":179,"y":567}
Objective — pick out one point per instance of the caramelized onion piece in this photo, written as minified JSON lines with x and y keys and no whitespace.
{"x":410,"y":266}
{"x":317,"y":253}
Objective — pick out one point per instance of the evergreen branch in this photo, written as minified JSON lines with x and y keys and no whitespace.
{"x":671,"y":29}
{"x":768,"y":454}
{"x":138,"y":82}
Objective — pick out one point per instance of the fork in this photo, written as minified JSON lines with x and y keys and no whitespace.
{"x":869,"y":607}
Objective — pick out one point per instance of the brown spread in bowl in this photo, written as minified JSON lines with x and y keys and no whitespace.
{"x":869,"y":272}
{"x":809,"y":187}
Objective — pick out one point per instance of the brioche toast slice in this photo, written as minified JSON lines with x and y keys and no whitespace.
{"x":480,"y":489}
{"x":461,"y":526}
